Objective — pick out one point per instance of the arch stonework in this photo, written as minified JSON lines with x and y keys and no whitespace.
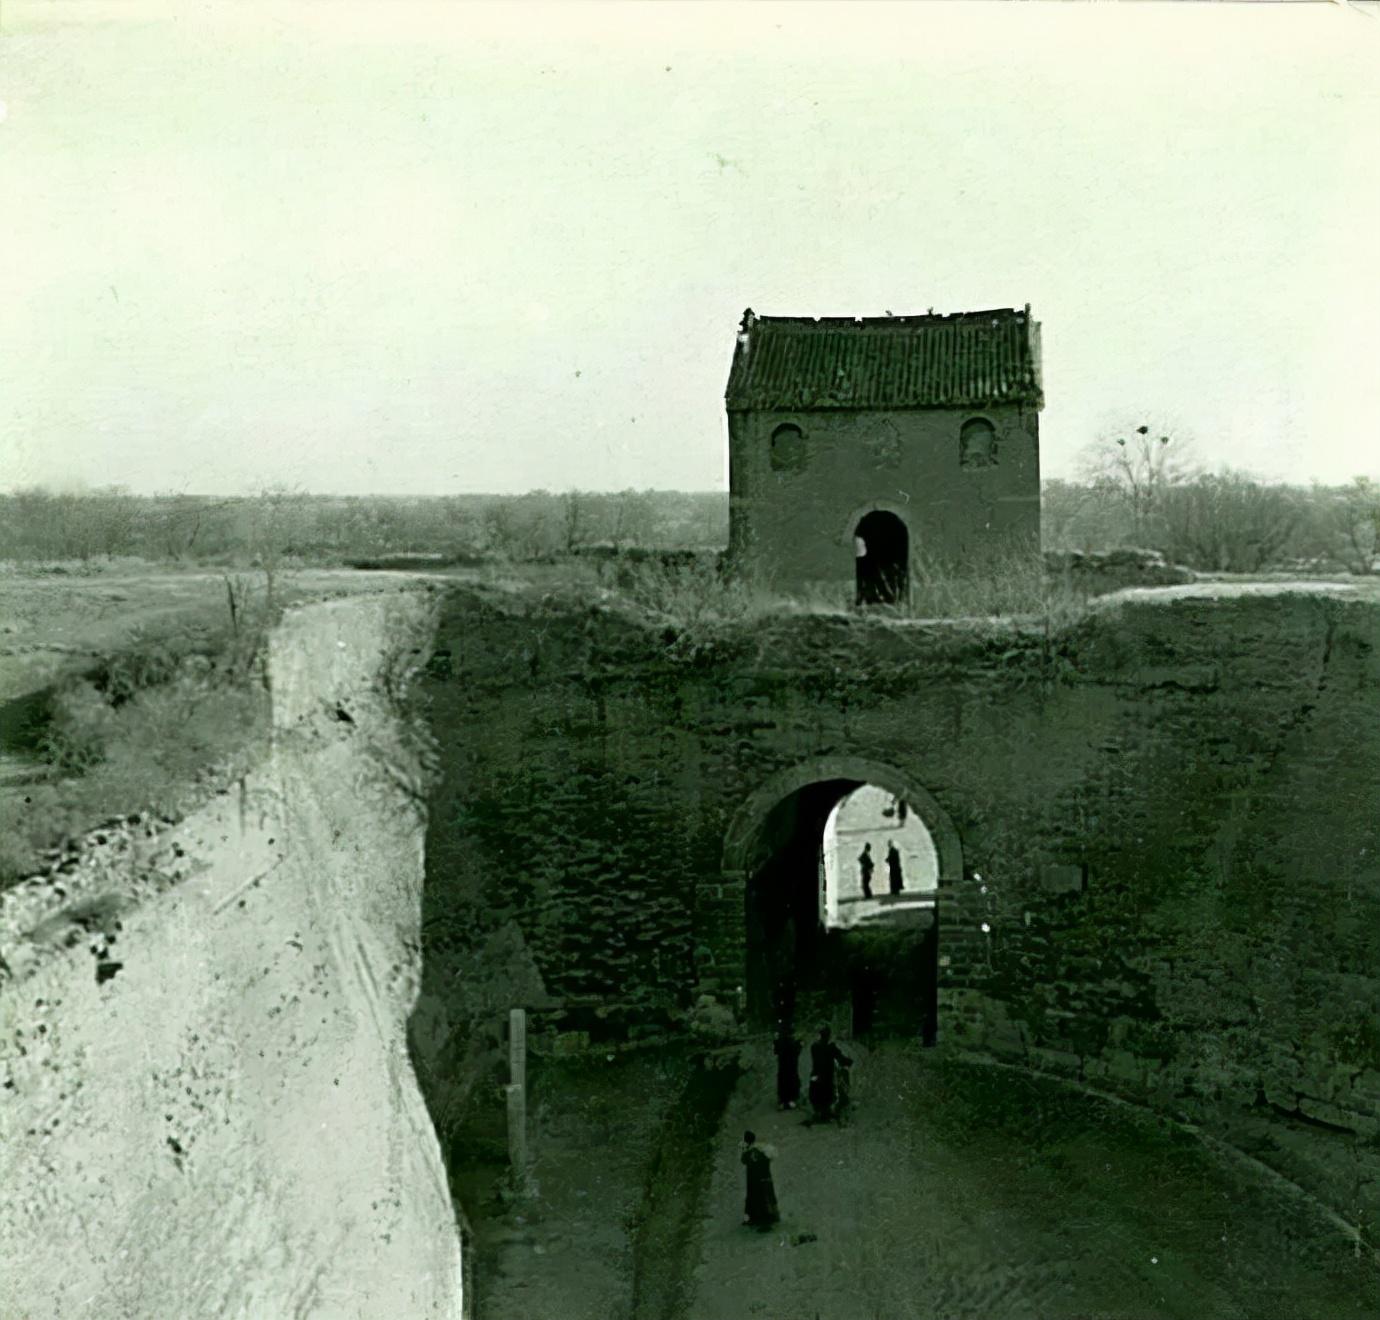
{"x":849,"y":525}
{"x":749,"y":817}
{"x":721,"y":899}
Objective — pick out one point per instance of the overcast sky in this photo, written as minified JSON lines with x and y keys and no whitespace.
{"x":406,"y":248}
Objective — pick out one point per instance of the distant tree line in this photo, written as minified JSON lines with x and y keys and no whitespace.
{"x":1143,"y":489}
{"x":278,"y":525}
{"x":1139,"y":490}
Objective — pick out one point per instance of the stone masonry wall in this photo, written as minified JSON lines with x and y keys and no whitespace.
{"x":1171,"y":808}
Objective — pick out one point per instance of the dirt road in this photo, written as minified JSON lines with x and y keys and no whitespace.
{"x":958,"y":1191}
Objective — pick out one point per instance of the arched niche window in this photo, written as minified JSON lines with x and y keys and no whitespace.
{"x":787,"y":448}
{"x":977,"y":444}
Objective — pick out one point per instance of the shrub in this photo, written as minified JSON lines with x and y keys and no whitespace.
{"x":81,"y":724}
{"x":687,"y":592}
{"x":150,"y":751}
{"x":144,"y":663}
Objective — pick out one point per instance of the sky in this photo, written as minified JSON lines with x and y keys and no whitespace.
{"x":433,"y":249}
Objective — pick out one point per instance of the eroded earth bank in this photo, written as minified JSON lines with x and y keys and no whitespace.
{"x":208,"y":1107}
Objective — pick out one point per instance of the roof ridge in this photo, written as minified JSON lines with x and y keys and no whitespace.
{"x":907,"y":318}
{"x":954,"y":359}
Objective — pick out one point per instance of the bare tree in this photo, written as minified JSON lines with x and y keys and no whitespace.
{"x":274,"y":513}
{"x":502,"y":529}
{"x":116,"y":514}
{"x":1074,"y":516}
{"x":632,"y":521}
{"x":574,"y":520}
{"x":1138,"y":468}
{"x":80,"y":524}
{"x":1355,"y":523}
{"x":180,"y":520}
{"x":1228,"y":522}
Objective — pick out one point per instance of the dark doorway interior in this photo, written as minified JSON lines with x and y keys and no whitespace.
{"x":787,"y":944}
{"x":893,"y":988}
{"x":882,"y":565}
{"x":879,"y":981}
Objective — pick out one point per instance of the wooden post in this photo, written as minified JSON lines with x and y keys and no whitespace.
{"x":517,"y":1133}
{"x":517,"y":1095}
{"x":517,"y":1047}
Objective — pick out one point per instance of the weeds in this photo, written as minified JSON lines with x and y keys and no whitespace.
{"x":147,"y":754}
{"x":1012,"y":585}
{"x":143,"y":733}
{"x":691,"y":596}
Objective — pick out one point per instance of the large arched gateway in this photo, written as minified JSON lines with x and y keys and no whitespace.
{"x":842,"y":863}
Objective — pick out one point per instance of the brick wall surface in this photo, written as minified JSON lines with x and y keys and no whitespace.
{"x":792,"y":528}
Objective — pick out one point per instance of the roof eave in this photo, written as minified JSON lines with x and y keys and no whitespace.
{"x":1034,"y":399}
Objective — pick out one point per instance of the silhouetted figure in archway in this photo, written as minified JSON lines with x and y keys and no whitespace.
{"x":865,"y":867}
{"x":825,"y":1058}
{"x":787,"y":1049}
{"x":759,"y":1207}
{"x":893,"y":866}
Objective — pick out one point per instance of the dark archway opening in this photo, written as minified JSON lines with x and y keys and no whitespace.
{"x":879,"y":979}
{"x":882,"y":556}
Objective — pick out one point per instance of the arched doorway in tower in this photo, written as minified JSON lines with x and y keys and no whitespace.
{"x":881,"y":546}
{"x":831,"y":937}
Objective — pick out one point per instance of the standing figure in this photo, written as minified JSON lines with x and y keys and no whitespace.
{"x":787,"y":1050}
{"x":865,"y":865}
{"x":759,"y":1208}
{"x":893,"y":866}
{"x":825,"y":1057}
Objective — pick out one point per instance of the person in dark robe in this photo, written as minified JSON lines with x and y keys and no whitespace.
{"x":893,"y":866}
{"x":787,"y":1049}
{"x":759,"y":1208}
{"x":865,"y":865}
{"x":825,"y":1057}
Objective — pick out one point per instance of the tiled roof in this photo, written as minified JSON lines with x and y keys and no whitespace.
{"x":969,"y":359}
